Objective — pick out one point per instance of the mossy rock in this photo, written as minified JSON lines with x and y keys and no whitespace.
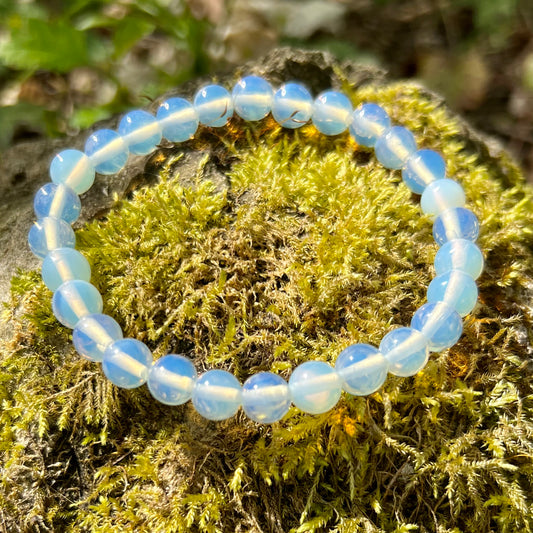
{"x":255,"y":248}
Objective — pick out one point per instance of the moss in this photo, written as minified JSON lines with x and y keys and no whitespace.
{"x":312,"y":246}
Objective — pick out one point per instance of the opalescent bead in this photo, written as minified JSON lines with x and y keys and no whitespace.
{"x":171,"y":379}
{"x":455,"y":223}
{"x":74,"y":169}
{"x":455,"y":288}
{"x":217,"y":395}
{"x":422,"y":168}
{"x":50,"y":233}
{"x":214,"y":105}
{"x":107,"y":151}
{"x":440,"y":195}
{"x":362,"y":368}
{"x":439,"y":323}
{"x":369,"y":122}
{"x":252,"y":98}
{"x":332,"y":112}
{"x":406,"y":350}
{"x":459,"y":254}
{"x":64,"y":264}
{"x":93,"y":334}
{"x":292,"y":106}
{"x":127,"y":362}
{"x":57,"y":201}
{"x":140,"y":131}
{"x":178,"y":119}
{"x":265,"y":397}
{"x":394,"y":147}
{"x":75,"y":299}
{"x":315,"y":387}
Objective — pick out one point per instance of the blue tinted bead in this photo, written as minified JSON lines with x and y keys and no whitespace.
{"x":178,"y":119}
{"x":74,"y":169}
{"x":459,"y":254}
{"x":217,"y":395}
{"x":332,"y":112}
{"x":369,"y":122}
{"x":64,"y":264}
{"x":58,"y":201}
{"x":127,"y":362}
{"x":394,"y":147}
{"x":171,"y":379}
{"x":265,"y":397}
{"x":455,"y":288}
{"x":439,"y":323}
{"x":406,"y":350}
{"x":292,"y":106}
{"x":422,"y":168}
{"x":49,"y":233}
{"x":93,"y":334}
{"x":214,"y":106}
{"x":75,"y":299}
{"x":315,"y":387}
{"x":455,"y":223}
{"x":107,"y":151}
{"x":140,"y":131}
{"x":440,"y":195}
{"x":252,"y":98}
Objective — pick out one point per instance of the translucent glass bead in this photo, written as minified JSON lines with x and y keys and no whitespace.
{"x":459,"y":254}
{"x":265,"y":397}
{"x":178,"y":119}
{"x":455,"y":288}
{"x":315,"y":387}
{"x":140,"y":131}
{"x":292,"y":106}
{"x":369,"y":122}
{"x":455,"y":223}
{"x":75,"y":299}
{"x":171,"y":379}
{"x":214,"y":105}
{"x":107,"y":151}
{"x":394,"y":147}
{"x":422,"y":168}
{"x":217,"y":395}
{"x":93,"y":334}
{"x":57,"y":201}
{"x":332,"y":112}
{"x":252,"y":98}
{"x":440,"y":195}
{"x":406,"y":350}
{"x":439,"y":323}
{"x":127,"y":362}
{"x":74,"y":169}
{"x":50,"y":233}
{"x":362,"y":368}
{"x":64,"y":264}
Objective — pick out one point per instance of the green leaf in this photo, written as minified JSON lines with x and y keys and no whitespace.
{"x":128,"y":33}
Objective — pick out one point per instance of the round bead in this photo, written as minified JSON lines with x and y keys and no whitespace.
{"x":459,"y":254}
{"x":455,"y":223}
{"x":394,"y":147}
{"x":74,"y":169}
{"x":292,"y":106}
{"x":171,"y":379}
{"x":107,"y":151}
{"x":140,"y":131}
{"x":265,"y":397}
{"x":57,"y":201}
{"x":315,"y":387}
{"x":93,"y":334}
{"x":439,"y":323}
{"x":178,"y":119}
{"x":214,"y":105}
{"x":332,"y":112}
{"x":252,"y":98}
{"x":422,"y":168}
{"x":406,"y":350}
{"x":75,"y":299}
{"x":127,"y":362}
{"x":48,"y":234}
{"x":217,"y":395}
{"x":440,"y":195}
{"x":369,"y":122}
{"x":455,"y":288}
{"x":362,"y":368}
{"x":64,"y":264}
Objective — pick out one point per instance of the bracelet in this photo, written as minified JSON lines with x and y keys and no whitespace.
{"x":314,"y":386}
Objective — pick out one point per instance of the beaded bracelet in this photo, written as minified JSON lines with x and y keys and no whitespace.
{"x":314,"y":386}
